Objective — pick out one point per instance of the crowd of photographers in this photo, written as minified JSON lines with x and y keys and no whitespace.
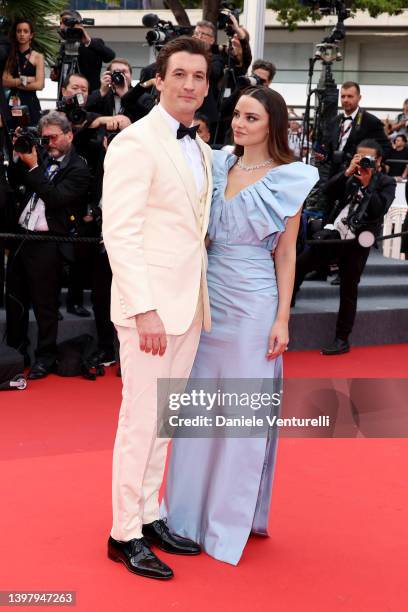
{"x":55,"y":172}
{"x":52,"y":180}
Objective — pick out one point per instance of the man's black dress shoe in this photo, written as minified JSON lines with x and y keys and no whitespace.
{"x":338,"y":347}
{"x":158,"y":534}
{"x":138,"y":558}
{"x":316,"y":275}
{"x":102,"y":357}
{"x":39,"y":370}
{"x":78,"y":310}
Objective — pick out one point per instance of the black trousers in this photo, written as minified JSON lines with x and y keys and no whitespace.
{"x":101,"y":299}
{"x":351,"y":258}
{"x":92,"y":269}
{"x":33,"y":276}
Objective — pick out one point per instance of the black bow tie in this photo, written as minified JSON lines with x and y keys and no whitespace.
{"x":187,"y":131}
{"x":344,"y":118}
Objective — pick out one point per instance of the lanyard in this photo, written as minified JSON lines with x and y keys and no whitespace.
{"x":50,"y":174}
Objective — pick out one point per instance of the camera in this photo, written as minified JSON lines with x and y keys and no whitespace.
{"x":249,"y":81}
{"x":162,"y":31}
{"x":368,"y":161}
{"x":118,"y":78}
{"x":224,"y":18}
{"x":72,"y":107}
{"x":27,"y":138}
{"x":72,"y":33}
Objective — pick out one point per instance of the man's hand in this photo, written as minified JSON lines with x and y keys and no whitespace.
{"x":105,"y":83}
{"x":152,"y":335}
{"x":112,"y":124}
{"x":118,"y":122}
{"x":354,"y":165}
{"x":86,"y":39}
{"x":29,"y":159}
{"x":364,"y":175}
{"x":235,"y":25}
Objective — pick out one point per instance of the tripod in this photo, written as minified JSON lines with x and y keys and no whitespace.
{"x":69,"y":62}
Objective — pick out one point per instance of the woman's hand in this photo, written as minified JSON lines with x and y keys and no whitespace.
{"x":278,"y":339}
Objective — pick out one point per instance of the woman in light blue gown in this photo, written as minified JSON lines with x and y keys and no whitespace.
{"x":219,"y":489}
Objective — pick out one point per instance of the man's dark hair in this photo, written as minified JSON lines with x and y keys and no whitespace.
{"x":203,"y":118}
{"x":404,"y":138}
{"x":265,"y":65}
{"x":350,"y":84}
{"x":208,"y":25}
{"x":70,"y":13}
{"x":182,"y":43}
{"x":370,"y":143}
{"x":68,"y":78}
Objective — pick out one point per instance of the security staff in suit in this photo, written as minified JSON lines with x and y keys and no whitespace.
{"x":155,"y":204}
{"x":353,"y":126}
{"x":55,"y":192}
{"x":365,"y":194}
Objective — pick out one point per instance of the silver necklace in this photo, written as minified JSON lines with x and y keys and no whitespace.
{"x":243,"y":166}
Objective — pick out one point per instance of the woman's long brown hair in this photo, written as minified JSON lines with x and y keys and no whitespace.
{"x":12,"y":58}
{"x":277,"y":111}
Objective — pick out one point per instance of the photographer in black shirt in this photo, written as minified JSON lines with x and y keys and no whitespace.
{"x":363,"y":195}
{"x":92,"y":52}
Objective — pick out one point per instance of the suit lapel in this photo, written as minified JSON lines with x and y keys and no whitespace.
{"x":173,"y":151}
{"x":208,"y":178}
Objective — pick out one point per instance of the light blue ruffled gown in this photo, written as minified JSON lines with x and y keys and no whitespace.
{"x":218,"y":490}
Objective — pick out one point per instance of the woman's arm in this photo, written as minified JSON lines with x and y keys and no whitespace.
{"x":10,"y":82}
{"x":33,"y":83}
{"x":37,"y":83}
{"x":285,"y":262}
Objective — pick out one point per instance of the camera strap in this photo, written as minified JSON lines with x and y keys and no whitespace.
{"x":31,"y":218}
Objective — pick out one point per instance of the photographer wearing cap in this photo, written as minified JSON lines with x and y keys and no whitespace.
{"x":363,"y":196}
{"x":52,"y":181}
{"x":92,"y":52}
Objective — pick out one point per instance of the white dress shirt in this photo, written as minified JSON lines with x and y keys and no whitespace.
{"x":190,"y":149}
{"x":348,"y":125}
{"x":36,"y":221}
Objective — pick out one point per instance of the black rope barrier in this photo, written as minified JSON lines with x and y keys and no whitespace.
{"x":42,"y":237}
{"x":342,"y":241}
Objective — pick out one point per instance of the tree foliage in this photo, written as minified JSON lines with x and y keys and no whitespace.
{"x":290,"y":12}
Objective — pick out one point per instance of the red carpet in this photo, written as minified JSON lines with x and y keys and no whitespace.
{"x":339,"y":527}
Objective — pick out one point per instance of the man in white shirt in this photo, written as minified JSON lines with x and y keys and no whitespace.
{"x":156,"y":200}
{"x":55,"y":185}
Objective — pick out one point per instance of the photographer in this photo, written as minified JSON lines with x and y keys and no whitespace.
{"x":88,"y":138}
{"x":52,"y":182}
{"x":92,"y":52}
{"x":207,"y":33}
{"x":364,"y":194}
{"x":351,"y":127}
{"x":116,"y":95}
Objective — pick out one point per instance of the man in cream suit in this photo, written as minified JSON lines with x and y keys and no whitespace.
{"x":156,"y":201}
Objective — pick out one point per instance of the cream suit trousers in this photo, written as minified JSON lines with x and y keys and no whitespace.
{"x":139,"y":457}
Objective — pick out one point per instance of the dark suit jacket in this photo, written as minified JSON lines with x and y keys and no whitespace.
{"x":64,"y":196}
{"x":136,"y":103}
{"x":90,"y":60}
{"x":342,"y":189}
{"x":365,"y":125}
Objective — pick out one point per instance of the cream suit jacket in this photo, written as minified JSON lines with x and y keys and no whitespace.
{"x":154,"y":227}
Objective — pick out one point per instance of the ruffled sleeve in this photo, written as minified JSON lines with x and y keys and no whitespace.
{"x":269,"y":203}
